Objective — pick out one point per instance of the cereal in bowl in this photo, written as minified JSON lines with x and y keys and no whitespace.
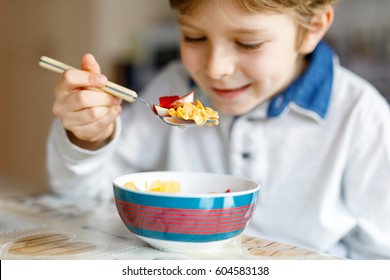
{"x":169,"y":186}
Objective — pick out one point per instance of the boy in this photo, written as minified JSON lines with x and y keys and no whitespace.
{"x":316,"y":136}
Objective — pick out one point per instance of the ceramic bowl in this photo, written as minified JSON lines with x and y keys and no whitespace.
{"x":210,"y":210}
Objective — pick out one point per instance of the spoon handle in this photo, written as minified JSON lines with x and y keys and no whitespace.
{"x":111,"y":88}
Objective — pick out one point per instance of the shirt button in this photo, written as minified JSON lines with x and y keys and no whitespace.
{"x":246,"y":155}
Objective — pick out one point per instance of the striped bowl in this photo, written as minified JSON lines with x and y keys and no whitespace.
{"x":203,"y":216}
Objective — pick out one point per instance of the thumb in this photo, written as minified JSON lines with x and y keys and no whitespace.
{"x":89,"y":63}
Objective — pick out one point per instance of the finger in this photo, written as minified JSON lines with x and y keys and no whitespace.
{"x":77,"y":99}
{"x":89,"y":63}
{"x":70,"y":107}
{"x":74,"y":79}
{"x":88,"y":116}
{"x":84,"y":99}
{"x":98,"y":130}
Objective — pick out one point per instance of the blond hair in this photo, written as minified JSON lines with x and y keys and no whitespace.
{"x":301,"y":10}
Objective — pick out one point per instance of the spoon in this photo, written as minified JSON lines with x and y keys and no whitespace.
{"x":121,"y":92}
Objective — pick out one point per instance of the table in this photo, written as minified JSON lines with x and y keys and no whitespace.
{"x":46,"y":226}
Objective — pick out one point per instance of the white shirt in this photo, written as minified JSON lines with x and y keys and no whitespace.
{"x":325,"y":182}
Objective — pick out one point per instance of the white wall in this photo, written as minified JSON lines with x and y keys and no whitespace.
{"x":31,"y":29}
{"x":117,"y":23}
{"x":361,"y":15}
{"x":361,"y":37}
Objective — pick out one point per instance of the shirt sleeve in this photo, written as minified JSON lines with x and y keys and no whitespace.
{"x":70,"y":167}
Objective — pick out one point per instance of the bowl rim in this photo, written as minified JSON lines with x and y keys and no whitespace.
{"x":189,"y":195}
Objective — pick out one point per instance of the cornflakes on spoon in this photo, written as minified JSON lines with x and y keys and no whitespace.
{"x":184,"y":108}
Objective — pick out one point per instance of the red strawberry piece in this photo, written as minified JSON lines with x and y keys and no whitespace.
{"x":168,"y":101}
{"x":174,"y":100}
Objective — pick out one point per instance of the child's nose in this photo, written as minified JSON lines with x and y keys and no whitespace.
{"x":219,"y":63}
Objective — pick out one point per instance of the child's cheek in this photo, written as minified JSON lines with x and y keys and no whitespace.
{"x":190,"y":60}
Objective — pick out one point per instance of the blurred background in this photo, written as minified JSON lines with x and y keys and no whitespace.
{"x":132,"y":39}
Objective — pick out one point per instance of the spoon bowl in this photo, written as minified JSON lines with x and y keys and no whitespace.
{"x":169,"y":119}
{"x":121,"y":92}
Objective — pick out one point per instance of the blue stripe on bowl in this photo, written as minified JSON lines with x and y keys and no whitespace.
{"x":185,"y":202}
{"x":184,"y":237}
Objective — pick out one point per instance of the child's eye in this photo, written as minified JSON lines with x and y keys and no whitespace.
{"x":249,"y":46}
{"x":194,"y":39}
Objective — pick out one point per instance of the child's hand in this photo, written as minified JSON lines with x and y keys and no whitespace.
{"x":87,"y":113}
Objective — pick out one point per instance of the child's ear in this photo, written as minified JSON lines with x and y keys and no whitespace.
{"x":319,"y":25}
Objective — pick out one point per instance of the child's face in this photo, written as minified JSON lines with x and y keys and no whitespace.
{"x":239,"y":59}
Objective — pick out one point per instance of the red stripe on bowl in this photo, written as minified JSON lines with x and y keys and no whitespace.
{"x":189,"y":221}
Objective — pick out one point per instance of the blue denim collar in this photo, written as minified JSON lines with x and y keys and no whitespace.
{"x":312,"y":90}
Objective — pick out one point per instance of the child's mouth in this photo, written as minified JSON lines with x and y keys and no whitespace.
{"x":230,"y":93}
